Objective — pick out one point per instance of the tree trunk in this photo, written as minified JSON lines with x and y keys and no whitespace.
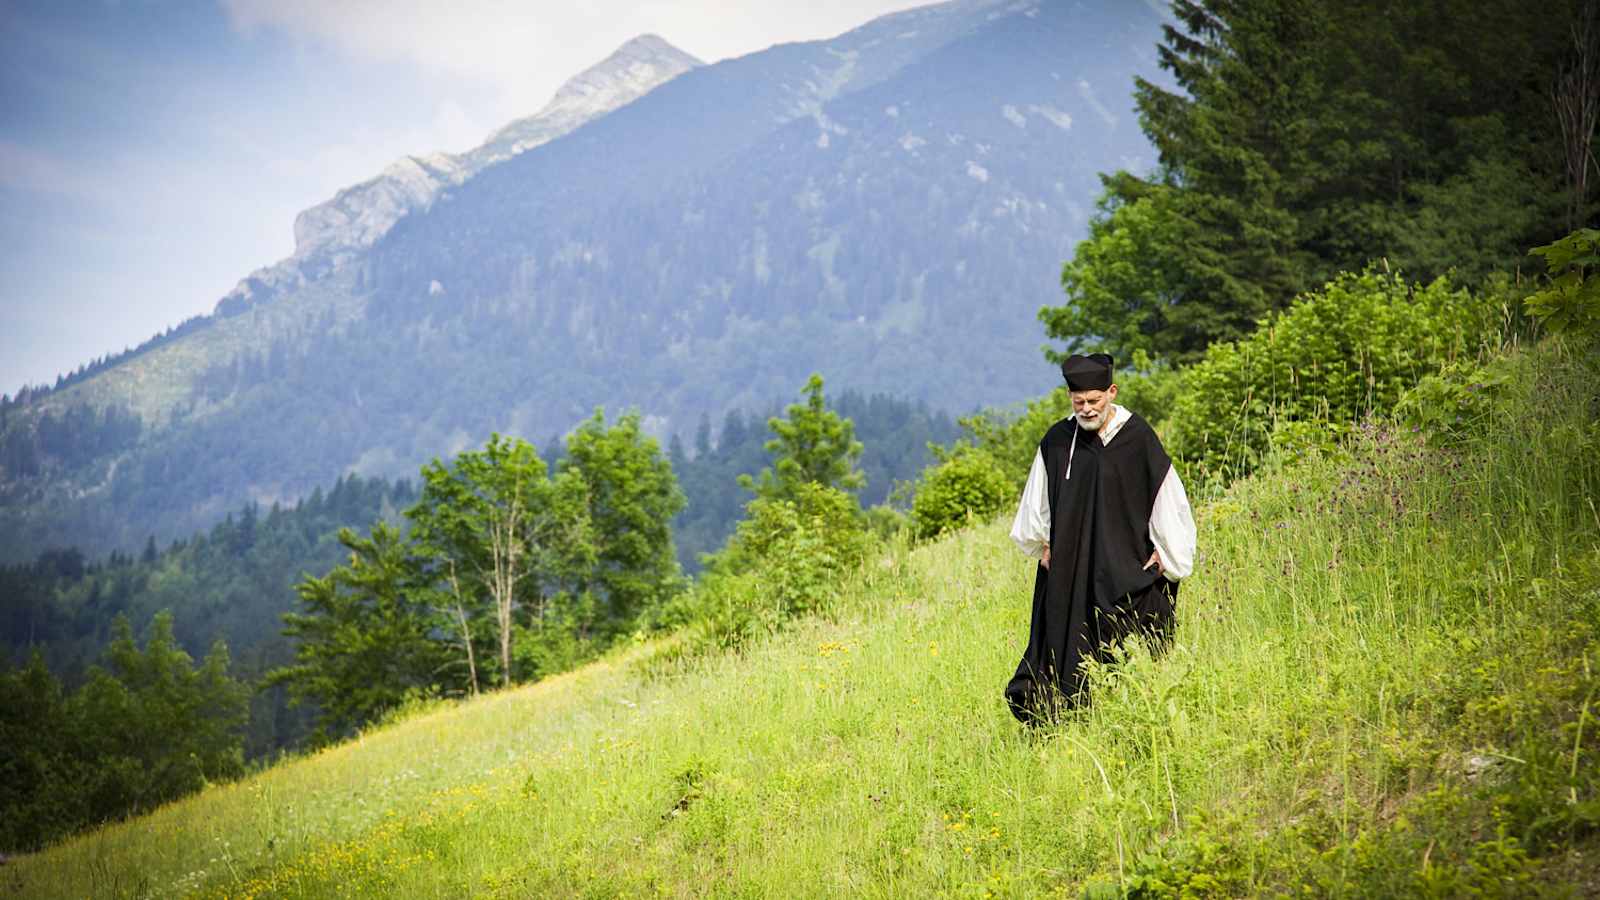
{"x":466,"y":631}
{"x":466,"y":639}
{"x":1576,"y":97}
{"x":505,"y":544}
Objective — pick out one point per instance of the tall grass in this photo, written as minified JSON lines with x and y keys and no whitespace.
{"x":1379,"y":684}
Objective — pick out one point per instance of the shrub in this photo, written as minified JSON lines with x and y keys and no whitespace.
{"x":786,"y":558}
{"x":1010,"y":438}
{"x":1336,"y":355}
{"x":969,"y":484}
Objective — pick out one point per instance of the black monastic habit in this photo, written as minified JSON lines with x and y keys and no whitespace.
{"x":1096,"y":590}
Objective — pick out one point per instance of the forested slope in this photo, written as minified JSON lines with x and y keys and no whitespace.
{"x":1382,"y":684}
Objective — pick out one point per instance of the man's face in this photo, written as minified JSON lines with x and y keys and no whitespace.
{"x":1090,"y":407}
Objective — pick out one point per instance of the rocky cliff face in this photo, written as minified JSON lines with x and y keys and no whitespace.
{"x":331,"y":235}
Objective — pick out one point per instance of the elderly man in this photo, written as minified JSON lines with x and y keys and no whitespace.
{"x":1109,"y":522}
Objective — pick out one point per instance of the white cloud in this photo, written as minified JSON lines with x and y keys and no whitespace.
{"x":1086,"y":91}
{"x":1056,"y":117}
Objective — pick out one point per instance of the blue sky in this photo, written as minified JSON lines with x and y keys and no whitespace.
{"x":154,"y":152}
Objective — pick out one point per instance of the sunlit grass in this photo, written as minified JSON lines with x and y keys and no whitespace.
{"x":1351,"y":637}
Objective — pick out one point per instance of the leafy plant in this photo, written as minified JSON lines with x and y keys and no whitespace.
{"x":969,"y":484}
{"x":1338,"y":354}
{"x":1569,"y":303}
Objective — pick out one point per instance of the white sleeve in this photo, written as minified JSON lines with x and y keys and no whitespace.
{"x":1172,"y":528}
{"x":1031,"y":527}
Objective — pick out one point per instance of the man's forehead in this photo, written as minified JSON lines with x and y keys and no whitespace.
{"x":1089,"y":396}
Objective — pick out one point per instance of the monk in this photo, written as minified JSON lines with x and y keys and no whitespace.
{"x":1106,"y":515}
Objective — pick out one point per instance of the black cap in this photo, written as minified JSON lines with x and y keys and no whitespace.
{"x":1087,"y":373}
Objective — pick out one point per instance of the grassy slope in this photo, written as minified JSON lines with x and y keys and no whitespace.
{"x":1383,"y":684}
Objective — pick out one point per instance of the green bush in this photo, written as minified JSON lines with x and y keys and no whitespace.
{"x":969,"y":484}
{"x":1457,"y":400}
{"x":1569,"y":302}
{"x":1011,"y":437}
{"x":787,"y":557}
{"x":1338,"y":354}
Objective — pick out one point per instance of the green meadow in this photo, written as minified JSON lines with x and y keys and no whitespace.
{"x":1384,"y":683}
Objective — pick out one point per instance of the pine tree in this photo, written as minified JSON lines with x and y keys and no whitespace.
{"x":1306,"y":138}
{"x":814,"y":445}
{"x":363,"y":634}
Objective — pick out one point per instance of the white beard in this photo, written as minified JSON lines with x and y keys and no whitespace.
{"x":1091,"y":425}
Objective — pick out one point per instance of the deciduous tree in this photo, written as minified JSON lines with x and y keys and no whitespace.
{"x":510,"y":534}
{"x":632,"y":496}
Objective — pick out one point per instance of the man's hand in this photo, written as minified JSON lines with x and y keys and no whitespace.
{"x":1155,"y":560}
{"x":1045,"y":559}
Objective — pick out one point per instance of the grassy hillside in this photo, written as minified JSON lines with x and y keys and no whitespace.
{"x":1384,"y":683}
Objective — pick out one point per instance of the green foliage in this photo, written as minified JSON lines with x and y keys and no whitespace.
{"x":632,"y":499}
{"x":497,"y":535}
{"x":235,"y":581}
{"x":814,"y":445}
{"x":1467,"y":224}
{"x":1149,"y":388}
{"x":1197,"y":865}
{"x":788,"y":557}
{"x":1120,"y":283}
{"x":562,"y":641}
{"x":801,"y":532}
{"x":39,"y":776}
{"x":968,"y":485}
{"x":1460,"y":398}
{"x":147,"y":728}
{"x":1338,"y":354}
{"x":894,"y":433}
{"x":1303,"y":139}
{"x":1012,"y":438}
{"x":32,"y":445}
{"x":363,"y":639}
{"x":506,"y":572}
{"x":153,"y":713}
{"x":1569,"y":303}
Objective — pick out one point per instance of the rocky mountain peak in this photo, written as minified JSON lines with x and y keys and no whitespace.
{"x":631,"y":71}
{"x":330,"y":234}
{"x":639,"y":64}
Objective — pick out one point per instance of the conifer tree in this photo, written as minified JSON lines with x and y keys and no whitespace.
{"x":363,"y":634}
{"x":814,"y":445}
{"x":1304,"y":138}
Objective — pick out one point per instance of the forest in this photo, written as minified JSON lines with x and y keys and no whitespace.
{"x":1358,"y":208}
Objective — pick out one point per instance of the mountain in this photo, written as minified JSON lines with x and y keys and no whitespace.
{"x":333,"y":234}
{"x":890,"y":207}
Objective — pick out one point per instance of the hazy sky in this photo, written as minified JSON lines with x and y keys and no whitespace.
{"x":154,"y":152}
